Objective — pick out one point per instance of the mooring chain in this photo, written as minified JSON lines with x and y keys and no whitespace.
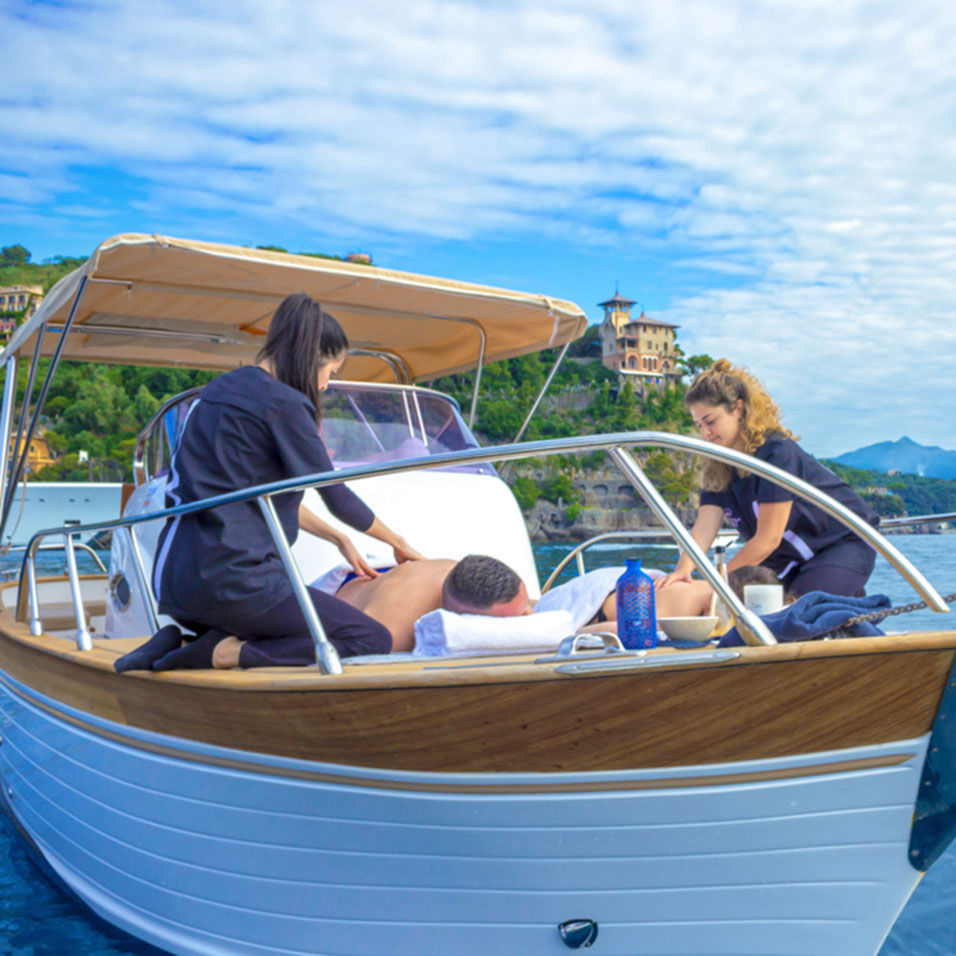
{"x":891,"y":612}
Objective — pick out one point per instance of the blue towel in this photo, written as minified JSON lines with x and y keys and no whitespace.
{"x":815,"y":613}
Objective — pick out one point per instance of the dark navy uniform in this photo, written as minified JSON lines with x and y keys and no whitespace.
{"x":219,"y":568}
{"x":817,"y":553}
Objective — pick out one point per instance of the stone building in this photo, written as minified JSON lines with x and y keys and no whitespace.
{"x":20,"y":298}
{"x":641,"y":347}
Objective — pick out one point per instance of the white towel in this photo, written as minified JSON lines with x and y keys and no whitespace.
{"x":443,"y":632}
{"x":583,"y":596}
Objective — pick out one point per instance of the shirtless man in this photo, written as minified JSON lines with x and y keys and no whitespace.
{"x":399,"y":596}
{"x":479,"y":584}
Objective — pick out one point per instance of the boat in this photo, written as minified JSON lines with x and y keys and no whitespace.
{"x":44,"y":504}
{"x":770,"y":798}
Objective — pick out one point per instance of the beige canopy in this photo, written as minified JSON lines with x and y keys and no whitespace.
{"x":152,"y":300}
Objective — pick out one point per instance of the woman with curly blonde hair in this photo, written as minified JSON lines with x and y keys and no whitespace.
{"x":806,"y":548}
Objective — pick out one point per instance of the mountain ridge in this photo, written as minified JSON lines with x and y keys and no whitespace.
{"x":903,"y":455}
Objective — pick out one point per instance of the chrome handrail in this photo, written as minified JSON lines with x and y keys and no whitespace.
{"x":142,"y":578}
{"x":81,"y":545}
{"x":140,"y":465}
{"x":576,"y":554}
{"x":6,"y":418}
{"x":325,"y":653}
{"x":749,"y":624}
{"x":84,"y":641}
{"x":918,"y":519}
{"x":610,"y":442}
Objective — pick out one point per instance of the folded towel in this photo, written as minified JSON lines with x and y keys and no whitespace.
{"x":815,"y":613}
{"x":442,"y":632}
{"x":583,"y":596}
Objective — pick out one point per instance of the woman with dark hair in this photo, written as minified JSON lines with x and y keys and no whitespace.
{"x":805,"y":548}
{"x":216,"y":572}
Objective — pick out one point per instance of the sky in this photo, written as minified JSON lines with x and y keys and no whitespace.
{"x":777,"y":178}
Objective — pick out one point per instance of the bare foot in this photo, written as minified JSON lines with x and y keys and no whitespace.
{"x":226,"y":653}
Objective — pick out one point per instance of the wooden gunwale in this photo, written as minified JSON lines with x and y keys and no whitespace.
{"x":516,"y":715}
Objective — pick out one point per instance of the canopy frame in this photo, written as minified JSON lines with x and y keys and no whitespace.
{"x":18,"y":460}
{"x":131,"y":295}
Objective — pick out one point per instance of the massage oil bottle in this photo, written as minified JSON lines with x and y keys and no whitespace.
{"x":636,"y":618}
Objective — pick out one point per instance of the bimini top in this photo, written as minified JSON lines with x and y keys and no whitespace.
{"x":152,"y":300}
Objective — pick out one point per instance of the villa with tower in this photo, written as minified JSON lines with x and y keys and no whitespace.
{"x":641,"y":347}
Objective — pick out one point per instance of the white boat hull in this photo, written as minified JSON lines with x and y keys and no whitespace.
{"x":200,"y":849}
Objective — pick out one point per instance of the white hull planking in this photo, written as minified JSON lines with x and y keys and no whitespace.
{"x":199,"y":858}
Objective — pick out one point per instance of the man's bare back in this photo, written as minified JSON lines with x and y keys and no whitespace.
{"x":398,"y":597}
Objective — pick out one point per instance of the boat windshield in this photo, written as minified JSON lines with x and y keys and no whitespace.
{"x":361,"y":424}
{"x":364,"y":424}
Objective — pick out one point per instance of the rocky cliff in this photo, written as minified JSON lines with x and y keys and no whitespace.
{"x":607,"y":503}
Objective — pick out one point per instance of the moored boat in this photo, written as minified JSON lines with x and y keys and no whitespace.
{"x":771,"y":798}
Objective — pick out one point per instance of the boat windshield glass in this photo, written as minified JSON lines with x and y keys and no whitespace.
{"x":361,"y":425}
{"x":365,"y":424}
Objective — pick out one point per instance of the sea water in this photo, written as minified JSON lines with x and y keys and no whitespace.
{"x":36,"y":918}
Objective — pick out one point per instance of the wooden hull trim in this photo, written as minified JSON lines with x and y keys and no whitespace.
{"x":523,"y":718}
{"x":701,"y":776}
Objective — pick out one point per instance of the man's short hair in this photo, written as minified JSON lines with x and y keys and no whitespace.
{"x":478,"y":582}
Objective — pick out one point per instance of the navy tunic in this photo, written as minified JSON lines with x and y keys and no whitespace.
{"x":246,"y":429}
{"x":810,"y":532}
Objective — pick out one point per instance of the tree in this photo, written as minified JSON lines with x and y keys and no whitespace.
{"x":526,"y":492}
{"x":101,"y":409}
{"x":626,"y":417}
{"x":15,"y":255}
{"x":55,"y":441}
{"x":697,"y":363}
{"x":145,"y":405}
{"x":559,"y":489}
{"x":588,"y":345}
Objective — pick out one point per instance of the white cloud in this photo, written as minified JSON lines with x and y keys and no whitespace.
{"x":791,"y":163}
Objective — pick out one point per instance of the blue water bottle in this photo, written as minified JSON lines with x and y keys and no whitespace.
{"x":636,"y":619}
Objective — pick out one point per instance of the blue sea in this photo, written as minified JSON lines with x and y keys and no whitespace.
{"x":38,"y":919}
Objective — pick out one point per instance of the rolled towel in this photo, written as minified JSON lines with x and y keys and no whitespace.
{"x":583,"y":596}
{"x":442,"y":632}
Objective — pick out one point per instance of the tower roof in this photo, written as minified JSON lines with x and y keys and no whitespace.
{"x":617,"y":300}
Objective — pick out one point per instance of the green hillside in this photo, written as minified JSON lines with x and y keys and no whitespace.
{"x":17,"y":269}
{"x":902,"y":494}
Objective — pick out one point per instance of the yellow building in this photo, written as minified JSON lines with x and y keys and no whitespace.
{"x":642,"y":347}
{"x":38,"y":456}
{"x":20,"y":298}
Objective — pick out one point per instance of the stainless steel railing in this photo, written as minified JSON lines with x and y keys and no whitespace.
{"x":751,"y":627}
{"x":576,"y":554}
{"x":940,"y":518}
{"x":78,"y":545}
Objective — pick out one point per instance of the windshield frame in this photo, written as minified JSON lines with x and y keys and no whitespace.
{"x":153,"y":446}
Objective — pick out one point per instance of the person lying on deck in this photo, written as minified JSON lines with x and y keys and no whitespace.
{"x":480,"y":584}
